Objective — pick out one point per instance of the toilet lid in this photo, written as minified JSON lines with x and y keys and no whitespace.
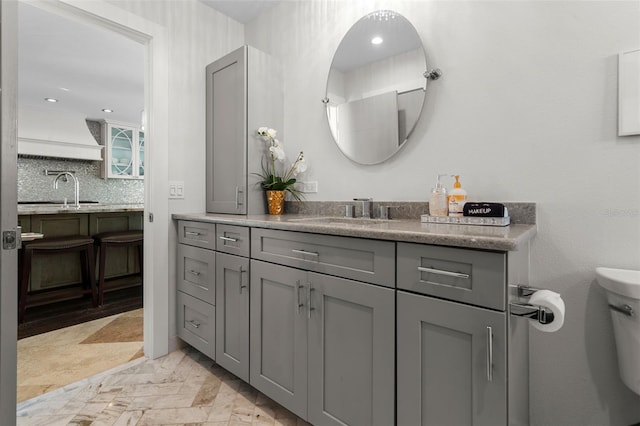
{"x":625,"y":282}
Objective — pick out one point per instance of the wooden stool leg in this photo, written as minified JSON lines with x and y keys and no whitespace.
{"x":141,"y":261}
{"x":91,"y":274}
{"x":101,"y":271}
{"x":24,"y":284}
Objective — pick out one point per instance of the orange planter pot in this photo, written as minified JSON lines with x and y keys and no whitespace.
{"x":275,"y":201}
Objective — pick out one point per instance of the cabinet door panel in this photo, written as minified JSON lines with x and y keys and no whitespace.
{"x":232,"y":314}
{"x":278,"y":335}
{"x":227,"y":134}
{"x":443,"y":369}
{"x":351,"y":352}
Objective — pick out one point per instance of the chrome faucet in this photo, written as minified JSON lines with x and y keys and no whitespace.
{"x":76,"y":202}
{"x":366,"y":206}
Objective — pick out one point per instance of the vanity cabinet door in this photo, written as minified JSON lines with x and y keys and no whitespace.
{"x":227,"y":134}
{"x":451,"y":363}
{"x":351,"y":352}
{"x":232,"y":314}
{"x":278,"y":334}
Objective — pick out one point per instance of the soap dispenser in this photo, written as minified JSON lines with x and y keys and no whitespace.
{"x":438,"y":202}
{"x":457,"y":198}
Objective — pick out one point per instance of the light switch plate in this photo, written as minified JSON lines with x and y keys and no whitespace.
{"x":308,"y":187}
{"x":176,"y":190}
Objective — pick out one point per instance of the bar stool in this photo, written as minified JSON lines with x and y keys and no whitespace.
{"x":57,"y":245}
{"x":121,"y":239}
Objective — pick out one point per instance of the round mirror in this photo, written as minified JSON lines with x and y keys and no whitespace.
{"x":376,"y":87}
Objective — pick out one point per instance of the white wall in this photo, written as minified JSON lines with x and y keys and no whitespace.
{"x":197,"y":35}
{"x":526,"y":111}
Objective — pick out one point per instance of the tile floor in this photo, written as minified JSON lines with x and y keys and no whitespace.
{"x":52,"y":360}
{"x":182,"y":388}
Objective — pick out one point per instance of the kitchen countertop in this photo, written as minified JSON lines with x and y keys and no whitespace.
{"x":35,"y":209}
{"x":500,"y":238}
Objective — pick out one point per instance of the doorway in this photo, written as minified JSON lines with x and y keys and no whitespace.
{"x":156,"y":297}
{"x":70,"y":70}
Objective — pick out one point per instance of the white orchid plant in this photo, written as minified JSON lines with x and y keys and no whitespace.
{"x":271,"y":179}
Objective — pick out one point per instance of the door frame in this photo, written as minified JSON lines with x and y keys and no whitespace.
{"x":8,"y":208}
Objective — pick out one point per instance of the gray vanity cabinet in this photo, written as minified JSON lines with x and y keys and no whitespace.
{"x":243,"y":93}
{"x":323,"y":346}
{"x":451,"y":363}
{"x":278,"y":335}
{"x":196,"y":296}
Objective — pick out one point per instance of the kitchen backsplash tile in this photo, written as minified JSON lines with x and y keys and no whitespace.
{"x":34,"y":185}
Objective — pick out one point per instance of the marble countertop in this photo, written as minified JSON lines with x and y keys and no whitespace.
{"x":498,"y":238}
{"x":34,"y":209}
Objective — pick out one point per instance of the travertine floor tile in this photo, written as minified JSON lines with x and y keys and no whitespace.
{"x":182,"y":388}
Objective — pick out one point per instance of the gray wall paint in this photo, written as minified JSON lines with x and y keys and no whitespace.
{"x":526,"y":111}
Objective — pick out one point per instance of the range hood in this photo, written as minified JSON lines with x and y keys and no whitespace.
{"x":48,"y":133}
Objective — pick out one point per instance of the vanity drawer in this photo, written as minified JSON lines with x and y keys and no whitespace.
{"x":469,"y":276}
{"x":199,"y":234}
{"x":359,"y":259}
{"x":197,"y":272}
{"x":197,"y":323}
{"x":232,"y":239}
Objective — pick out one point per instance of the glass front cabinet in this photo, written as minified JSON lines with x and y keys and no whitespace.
{"x":124,"y":151}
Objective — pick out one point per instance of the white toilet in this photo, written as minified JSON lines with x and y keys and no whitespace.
{"x":623,"y":296}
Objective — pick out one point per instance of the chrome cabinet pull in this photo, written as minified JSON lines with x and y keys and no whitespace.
{"x":196,"y":273}
{"x":192,"y":233}
{"x":296,"y":297}
{"x":441,"y":272}
{"x":240,"y":271}
{"x":624,"y":309}
{"x":305,"y":252}
{"x":194,"y":323}
{"x":233,"y":240}
{"x":238,"y":192}
{"x":310,"y":306}
{"x":489,"y":354}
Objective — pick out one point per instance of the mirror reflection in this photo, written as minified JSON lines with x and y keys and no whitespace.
{"x":376,"y":87}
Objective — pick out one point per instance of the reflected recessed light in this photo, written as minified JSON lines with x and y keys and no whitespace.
{"x":107,"y":110}
{"x":64,"y":89}
{"x":50,"y":99}
{"x":376,"y":40}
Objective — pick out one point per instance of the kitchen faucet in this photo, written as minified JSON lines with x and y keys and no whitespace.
{"x":77,"y":187}
{"x":366,"y":206}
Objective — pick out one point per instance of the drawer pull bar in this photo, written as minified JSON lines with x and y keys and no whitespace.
{"x":489,"y":354}
{"x":233,"y":240}
{"x":192,"y":233}
{"x":303,"y":252}
{"x":196,"y":273}
{"x":441,"y":272}
{"x":194,"y":323}
{"x":296,"y":297}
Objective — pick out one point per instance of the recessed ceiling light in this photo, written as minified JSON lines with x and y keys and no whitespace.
{"x":376,"y":40}
{"x":107,"y":110}
{"x":64,"y":89}
{"x":50,"y":99}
